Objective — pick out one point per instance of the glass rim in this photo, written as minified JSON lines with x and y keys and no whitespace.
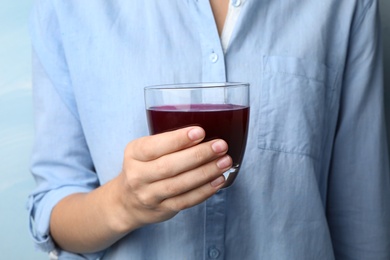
{"x":196,"y":85}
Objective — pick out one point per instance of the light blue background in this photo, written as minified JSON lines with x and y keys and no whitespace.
{"x":16,"y":131}
{"x":16,"y":128}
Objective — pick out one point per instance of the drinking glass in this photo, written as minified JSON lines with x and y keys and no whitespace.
{"x":221,"y":109}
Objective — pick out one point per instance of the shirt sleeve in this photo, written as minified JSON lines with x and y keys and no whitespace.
{"x":358,"y":205}
{"x":61,"y":163}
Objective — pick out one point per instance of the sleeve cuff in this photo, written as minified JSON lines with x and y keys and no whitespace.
{"x":40,"y":206}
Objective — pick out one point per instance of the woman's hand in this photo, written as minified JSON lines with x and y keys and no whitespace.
{"x":166,"y":173}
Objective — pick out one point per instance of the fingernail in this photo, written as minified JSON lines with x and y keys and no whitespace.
{"x":218,"y":181}
{"x":219,"y":146}
{"x":224,"y":162}
{"x":196,"y":133}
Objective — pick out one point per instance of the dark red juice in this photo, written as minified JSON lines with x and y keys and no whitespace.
{"x":225,"y":121}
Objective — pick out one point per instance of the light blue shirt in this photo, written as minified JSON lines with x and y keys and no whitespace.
{"x":314,"y":183}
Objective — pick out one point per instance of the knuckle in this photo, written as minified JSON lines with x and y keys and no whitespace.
{"x":199,"y":154}
{"x":172,"y":189}
{"x":175,"y":206}
{"x":132,"y":181}
{"x":185,"y":205}
{"x":164,"y":166}
{"x":140,"y":149}
{"x":146,"y":200}
{"x":178,"y":144}
{"x":147,"y":151}
{"x":205,"y":173}
{"x":144,"y":152}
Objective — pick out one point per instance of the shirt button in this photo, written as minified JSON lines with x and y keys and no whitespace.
{"x":236,"y":3}
{"x":213,"y":57}
{"x":214,"y":253}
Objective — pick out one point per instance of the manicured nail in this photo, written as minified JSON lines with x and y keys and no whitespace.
{"x":224,"y":162}
{"x":219,"y":146}
{"x":196,"y":133}
{"x":218,"y":181}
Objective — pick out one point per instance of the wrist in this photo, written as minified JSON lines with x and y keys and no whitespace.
{"x":119,"y":218}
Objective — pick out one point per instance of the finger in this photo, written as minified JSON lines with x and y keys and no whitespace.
{"x":193,"y":179}
{"x":194,"y":197}
{"x":185,"y":160}
{"x":152,"y":147}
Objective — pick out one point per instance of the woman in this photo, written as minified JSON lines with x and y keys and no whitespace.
{"x":314,"y":183}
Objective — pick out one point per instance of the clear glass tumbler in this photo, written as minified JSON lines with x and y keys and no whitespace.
{"x":221,"y":109}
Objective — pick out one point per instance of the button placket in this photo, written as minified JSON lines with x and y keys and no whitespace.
{"x":214,"y":253}
{"x":213,"y":60}
{"x":215,"y":226}
{"x":213,"y":70}
{"x":213,"y":57}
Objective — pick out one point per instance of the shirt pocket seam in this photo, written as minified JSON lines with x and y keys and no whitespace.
{"x":295,"y":75}
{"x":280,"y":68}
{"x":302,"y":68}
